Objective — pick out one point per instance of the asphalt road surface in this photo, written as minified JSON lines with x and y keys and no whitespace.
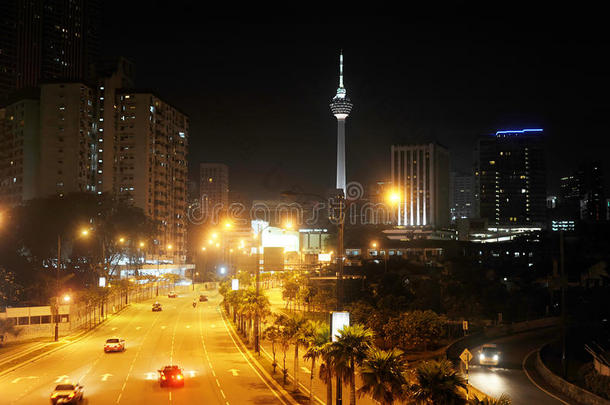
{"x":508,"y":377}
{"x":216,"y":371}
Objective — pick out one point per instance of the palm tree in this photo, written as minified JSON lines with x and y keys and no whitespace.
{"x":273,"y":334}
{"x":503,"y":400}
{"x":349,"y":351}
{"x":316,"y":343}
{"x":383,"y":376}
{"x":285,"y":338}
{"x":326,"y":373}
{"x":437,"y":383}
{"x":300,"y":331}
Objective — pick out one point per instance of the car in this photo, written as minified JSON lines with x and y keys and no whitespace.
{"x":171,"y":376}
{"x":172,"y":294}
{"x":203,"y":298}
{"x":67,"y":393}
{"x":157,"y":307}
{"x":489,"y":355}
{"x":114,"y":345}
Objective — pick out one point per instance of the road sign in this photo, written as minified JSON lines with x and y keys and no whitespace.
{"x":465,"y":325}
{"x":234,"y":372}
{"x":466,"y":356}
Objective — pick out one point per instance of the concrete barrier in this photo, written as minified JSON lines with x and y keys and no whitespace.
{"x":570,"y":390}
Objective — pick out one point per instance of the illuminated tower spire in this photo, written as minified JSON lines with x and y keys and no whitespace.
{"x":341,"y":106}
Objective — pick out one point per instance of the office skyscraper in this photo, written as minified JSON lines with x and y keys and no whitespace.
{"x":42,"y":40}
{"x":341,"y":106}
{"x":213,"y":190}
{"x":510,"y":178}
{"x":461,"y":200}
{"x":421,"y":175}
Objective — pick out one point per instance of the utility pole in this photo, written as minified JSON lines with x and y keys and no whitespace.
{"x":564,"y":360}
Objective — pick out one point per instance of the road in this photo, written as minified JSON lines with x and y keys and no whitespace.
{"x":216,"y":370}
{"x":508,"y":377}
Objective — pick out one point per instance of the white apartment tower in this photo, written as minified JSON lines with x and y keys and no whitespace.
{"x":150,"y":167}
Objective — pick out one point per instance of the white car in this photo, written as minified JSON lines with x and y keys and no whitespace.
{"x":489,"y":355}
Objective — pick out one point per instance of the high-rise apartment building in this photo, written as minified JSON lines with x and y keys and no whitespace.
{"x":112,"y":76}
{"x":19,"y":150}
{"x":213,"y":190}
{"x":42,"y":40}
{"x":420,"y":173}
{"x":68,"y":157}
{"x":461,"y":201}
{"x":510,"y":177}
{"x":150,"y":168}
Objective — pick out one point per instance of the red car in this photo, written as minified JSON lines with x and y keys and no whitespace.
{"x":67,"y":393}
{"x":114,"y":345}
{"x":171,"y":376}
{"x":172,"y":294}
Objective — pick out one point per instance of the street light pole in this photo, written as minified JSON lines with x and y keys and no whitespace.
{"x":257,"y":349}
{"x":56,"y":314}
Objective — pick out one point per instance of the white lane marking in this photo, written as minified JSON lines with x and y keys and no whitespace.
{"x":163,"y":326}
{"x":248,"y":360}
{"x":233,"y":371}
{"x":138,"y":327}
{"x":151,"y":376}
{"x":61,"y":378}
{"x":188,"y":326}
{"x":30,"y":377}
{"x":106,"y":376}
{"x":212,"y":326}
{"x":305,"y":369}
{"x":223,"y":394}
{"x":534,"y":382}
{"x":115,"y":328}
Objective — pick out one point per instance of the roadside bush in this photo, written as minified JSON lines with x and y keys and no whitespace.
{"x":415,"y":330}
{"x":594,"y":382}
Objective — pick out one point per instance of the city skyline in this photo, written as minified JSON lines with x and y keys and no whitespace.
{"x":424,"y":86}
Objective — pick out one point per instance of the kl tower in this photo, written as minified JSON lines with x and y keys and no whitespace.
{"x":341,"y":107}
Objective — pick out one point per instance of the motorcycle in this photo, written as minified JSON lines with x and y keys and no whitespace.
{"x":194,"y":304}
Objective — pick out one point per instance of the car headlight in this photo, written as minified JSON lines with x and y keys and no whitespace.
{"x":481,"y":356}
{"x":496,"y":357}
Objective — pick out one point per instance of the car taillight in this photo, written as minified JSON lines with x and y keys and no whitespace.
{"x":71,"y":395}
{"x":163,"y":377}
{"x":55,"y":394}
{"x":179,"y":376}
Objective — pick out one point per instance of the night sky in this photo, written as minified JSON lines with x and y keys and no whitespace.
{"x":257,"y":91}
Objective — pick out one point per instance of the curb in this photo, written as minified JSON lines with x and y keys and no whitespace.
{"x":67,"y":342}
{"x":529,"y":377}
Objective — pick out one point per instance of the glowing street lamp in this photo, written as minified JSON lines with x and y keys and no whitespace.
{"x":67,"y":298}
{"x":288,"y":225}
{"x":142,"y":244}
{"x":121,"y":240}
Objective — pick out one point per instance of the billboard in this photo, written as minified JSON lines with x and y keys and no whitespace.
{"x":337,"y":321}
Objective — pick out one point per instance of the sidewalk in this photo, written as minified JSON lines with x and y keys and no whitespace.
{"x":319,"y":388}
